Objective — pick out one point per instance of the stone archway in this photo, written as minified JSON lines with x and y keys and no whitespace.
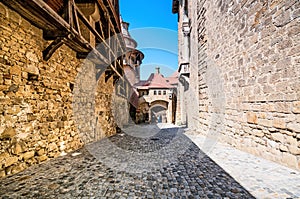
{"x":158,"y":111}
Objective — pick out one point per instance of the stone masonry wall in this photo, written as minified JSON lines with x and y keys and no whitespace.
{"x":249,"y":75}
{"x":37,"y":98}
{"x":187,"y":103}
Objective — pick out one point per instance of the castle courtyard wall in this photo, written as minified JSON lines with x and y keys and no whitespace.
{"x":47,"y":108}
{"x":249,"y":75}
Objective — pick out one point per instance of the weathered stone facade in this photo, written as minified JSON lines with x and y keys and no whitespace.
{"x":157,"y":98}
{"x":42,"y":109}
{"x":249,"y":75}
{"x":187,"y":103}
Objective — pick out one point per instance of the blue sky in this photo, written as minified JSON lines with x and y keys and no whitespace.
{"x":154,"y":27}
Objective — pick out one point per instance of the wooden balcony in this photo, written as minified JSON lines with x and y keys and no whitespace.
{"x":83,"y":25}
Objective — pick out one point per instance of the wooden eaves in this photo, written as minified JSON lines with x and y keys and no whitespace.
{"x":67,"y":31}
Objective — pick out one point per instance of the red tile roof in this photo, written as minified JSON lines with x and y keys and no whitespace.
{"x":157,"y":80}
{"x":173,"y":79}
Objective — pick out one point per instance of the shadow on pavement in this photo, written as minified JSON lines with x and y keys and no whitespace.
{"x":164,"y":165}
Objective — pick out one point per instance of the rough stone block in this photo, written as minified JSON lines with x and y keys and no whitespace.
{"x":17,"y":149}
{"x":291,"y":140}
{"x":16,"y":169}
{"x":279,"y":123}
{"x":272,"y":144}
{"x":42,"y":158}
{"x":283,"y":148}
{"x":252,"y":118}
{"x":294,"y":150}
{"x":278,"y":137}
{"x":8,"y":133}
{"x":52,"y":147}
{"x":2,"y":174}
{"x":41,"y":152}
{"x":265,"y":122}
{"x":294,"y":127}
{"x":28,"y":155}
{"x":32,"y":57}
{"x":32,"y":69}
{"x":10,"y":161}
{"x":15,"y":70}
{"x":3,"y":156}
{"x":258,"y":133}
{"x":296,"y":107}
{"x":289,"y":160}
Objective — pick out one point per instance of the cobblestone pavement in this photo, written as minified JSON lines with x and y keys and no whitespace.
{"x":262,"y":178}
{"x":149,"y":163}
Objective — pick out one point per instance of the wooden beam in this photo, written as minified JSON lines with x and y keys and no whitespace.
{"x":76,"y":24}
{"x":70,"y":13}
{"x":87,"y":23}
{"x":44,"y":17}
{"x":111,"y":66}
{"x":38,"y":13}
{"x":48,"y":52}
{"x":105,"y":10}
{"x":52,"y":35}
{"x":97,"y":35}
{"x":82,"y":55}
{"x":108,"y":74}
{"x":115,"y":79}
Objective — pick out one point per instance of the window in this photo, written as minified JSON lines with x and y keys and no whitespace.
{"x":159,"y":92}
{"x":165,"y":92}
{"x":154,"y":92}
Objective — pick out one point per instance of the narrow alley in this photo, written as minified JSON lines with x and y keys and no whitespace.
{"x":150,"y":99}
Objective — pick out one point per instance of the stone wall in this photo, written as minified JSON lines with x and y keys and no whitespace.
{"x":181,"y":110}
{"x":37,"y":98}
{"x":188,"y":99}
{"x":249,"y":75}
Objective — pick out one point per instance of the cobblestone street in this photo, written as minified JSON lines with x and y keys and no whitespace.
{"x":155,"y":164}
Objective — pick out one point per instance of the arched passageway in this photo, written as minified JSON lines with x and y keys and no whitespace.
{"x":158,"y":111}
{"x":158,"y":114}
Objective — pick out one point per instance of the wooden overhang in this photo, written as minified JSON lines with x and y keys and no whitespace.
{"x":59,"y":20}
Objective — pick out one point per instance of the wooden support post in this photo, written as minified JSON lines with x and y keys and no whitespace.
{"x":48,"y":52}
{"x":108,"y":74}
{"x":76,"y":25}
{"x":70,"y":13}
{"x":115,"y":79}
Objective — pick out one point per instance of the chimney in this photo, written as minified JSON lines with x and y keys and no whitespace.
{"x":157,"y":70}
